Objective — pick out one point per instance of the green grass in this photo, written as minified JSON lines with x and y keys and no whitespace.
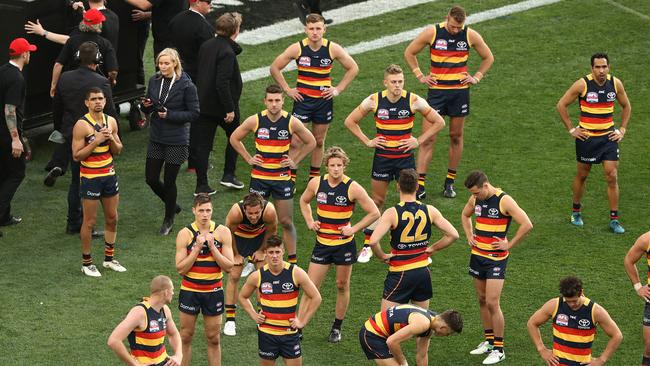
{"x":53,"y":315}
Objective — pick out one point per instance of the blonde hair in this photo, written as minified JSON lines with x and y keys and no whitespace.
{"x":336,"y":152}
{"x":393,"y":69}
{"x":175,"y":58}
{"x":228,"y":24}
{"x":458,"y":13}
{"x":160,"y":283}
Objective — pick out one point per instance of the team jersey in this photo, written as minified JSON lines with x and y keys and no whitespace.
{"x":648,"y":260}
{"x":491,"y":223}
{"x":100,"y":161}
{"x":449,"y":54}
{"x":394,"y":122}
{"x":334,"y":209}
{"x":248,"y":230}
{"x":148,"y":345}
{"x":597,"y":105}
{"x":410,"y":237}
{"x":573,"y":332}
{"x":205,"y":274}
{"x":387,"y":322}
{"x":272,"y":141}
{"x":279,"y":299}
{"x":314,"y":69}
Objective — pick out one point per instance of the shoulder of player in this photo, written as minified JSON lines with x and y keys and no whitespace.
{"x":234,"y":216}
{"x":183,"y":236}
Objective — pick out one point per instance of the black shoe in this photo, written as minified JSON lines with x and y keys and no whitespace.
{"x":335,"y":336}
{"x":231,"y":181}
{"x":204,"y":189}
{"x":13,"y":220}
{"x":303,"y":10}
{"x":449,"y":191}
{"x":166,"y":226}
{"x":50,"y":178}
{"x":421,"y":193}
{"x":329,"y":21}
{"x":178,"y":209}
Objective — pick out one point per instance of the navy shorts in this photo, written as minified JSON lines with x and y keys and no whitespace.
{"x":344,"y":254}
{"x":406,"y":286}
{"x":373,"y":346}
{"x":386,"y":169}
{"x":270,"y":346}
{"x":595,"y":149}
{"x":449,"y":102}
{"x":278,"y":189}
{"x":247,"y":246}
{"x":100,"y":187}
{"x":646,"y":315}
{"x":208,"y":303}
{"x":317,"y":110}
{"x":487,"y":269}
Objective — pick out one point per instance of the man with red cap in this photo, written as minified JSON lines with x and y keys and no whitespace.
{"x":12,"y":101}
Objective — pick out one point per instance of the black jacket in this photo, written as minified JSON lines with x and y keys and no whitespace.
{"x":67,"y":59}
{"x":188,"y":31}
{"x":219,"y":79}
{"x":68,"y":103}
{"x":182,"y":106}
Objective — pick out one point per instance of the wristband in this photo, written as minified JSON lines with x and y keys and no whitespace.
{"x":637,"y":286}
{"x":617,"y":130}
{"x":45,"y":34}
{"x":335,"y":92}
{"x":572,"y":130}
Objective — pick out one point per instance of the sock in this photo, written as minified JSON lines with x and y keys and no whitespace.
{"x":421,"y":180}
{"x":367,"y":233}
{"x":451,"y":177}
{"x":337,"y":323}
{"x":613,"y":215}
{"x":489,"y":336}
{"x":577,"y":207}
{"x":294,"y":172}
{"x":314,"y":172}
{"x":645,"y":361}
{"x":293,"y":259}
{"x":230,"y":312}
{"x":86,"y":259}
{"x":109,"y":250}
{"x":498,"y":344}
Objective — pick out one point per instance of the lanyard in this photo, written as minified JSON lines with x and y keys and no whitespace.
{"x":168,"y":90}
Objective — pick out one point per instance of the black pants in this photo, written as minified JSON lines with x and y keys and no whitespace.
{"x":12,"y":173}
{"x":142,"y":34}
{"x":165,"y":190}
{"x":61,"y":157}
{"x":75,"y":215}
{"x":314,"y":6}
{"x":202,"y":133}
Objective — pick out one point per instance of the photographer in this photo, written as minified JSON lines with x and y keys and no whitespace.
{"x":173,"y":103}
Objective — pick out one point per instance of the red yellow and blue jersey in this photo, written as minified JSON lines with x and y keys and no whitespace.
{"x":491,"y":223}
{"x":387,"y":322}
{"x":272,"y":141}
{"x":248,"y":230}
{"x":394,"y":122}
{"x":597,"y":105}
{"x":449,"y":54}
{"x":334,"y":209}
{"x":100,"y":161}
{"x":148,"y":345}
{"x":205,"y":274}
{"x":278,"y":295}
{"x":647,"y":256}
{"x":314,"y":68}
{"x":573,"y":332}
{"x":410,"y":237}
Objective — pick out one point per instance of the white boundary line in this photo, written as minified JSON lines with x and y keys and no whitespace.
{"x":629,"y":10}
{"x":341,"y":15}
{"x":262,"y":72}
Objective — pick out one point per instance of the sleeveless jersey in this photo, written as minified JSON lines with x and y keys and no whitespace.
{"x":248,"y":230}
{"x":394,"y":122}
{"x":449,"y":54}
{"x":279,"y":299}
{"x":272,"y":141}
{"x":490,"y":223}
{"x":410,"y":237}
{"x":205,"y":274}
{"x":148,"y":346}
{"x":648,"y":260}
{"x":100,"y":162}
{"x":334,"y":209}
{"x":387,"y":322}
{"x":573,"y":333}
{"x":314,"y":69}
{"x":597,"y":105}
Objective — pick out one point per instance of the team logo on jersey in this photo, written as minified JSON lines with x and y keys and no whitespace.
{"x":584,"y":323}
{"x":287,"y":286}
{"x":403,"y":113}
{"x":611,"y":96}
{"x":477,"y":210}
{"x":325,"y":62}
{"x":441,"y":44}
{"x":401,"y":246}
{"x":154,"y":326}
{"x":321,"y":197}
{"x":341,"y":200}
{"x":592,"y":97}
{"x":562,"y":320}
{"x":266,"y":288}
{"x":493,"y":212}
{"x":263,"y":134}
{"x":461,"y":46}
{"x":304,"y":61}
{"x":283,"y":134}
{"x":382,"y":113}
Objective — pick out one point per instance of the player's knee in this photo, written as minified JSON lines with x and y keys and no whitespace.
{"x":492,"y":305}
{"x":320,"y":140}
{"x":233,"y":278}
{"x":213,"y":338}
{"x":286,"y":223}
{"x":456,"y":137}
{"x":482,"y":300}
{"x":89,"y":221}
{"x":342,"y":285}
{"x":379,"y":201}
{"x":611,"y":176}
{"x":110,"y":219}
{"x":187,"y":335}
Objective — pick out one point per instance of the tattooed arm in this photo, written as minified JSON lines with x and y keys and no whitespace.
{"x":12,"y":126}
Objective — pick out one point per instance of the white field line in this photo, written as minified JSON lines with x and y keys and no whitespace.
{"x":341,"y":15}
{"x":629,"y":10}
{"x":262,"y":72}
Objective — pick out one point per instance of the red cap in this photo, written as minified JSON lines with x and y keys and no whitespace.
{"x":19,"y":46}
{"x":93,"y":17}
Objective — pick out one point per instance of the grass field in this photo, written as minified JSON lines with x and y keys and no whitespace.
{"x":51,"y":314}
